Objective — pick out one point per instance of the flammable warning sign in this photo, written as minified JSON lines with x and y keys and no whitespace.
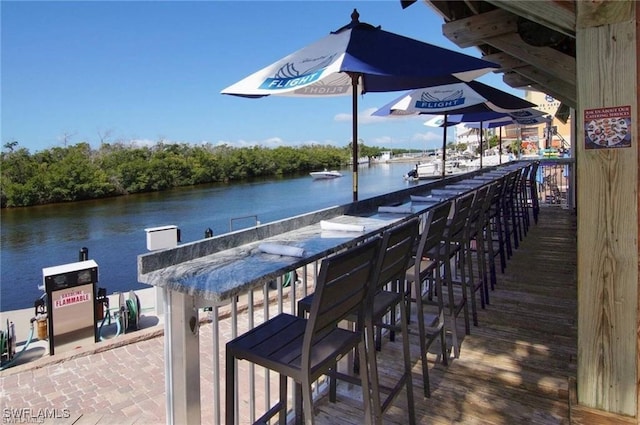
{"x":71,"y":298}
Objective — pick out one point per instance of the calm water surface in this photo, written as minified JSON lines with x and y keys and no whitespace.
{"x":113,"y":229}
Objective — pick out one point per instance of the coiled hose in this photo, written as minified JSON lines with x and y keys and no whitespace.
{"x":122,"y":319}
{"x":4,"y":346}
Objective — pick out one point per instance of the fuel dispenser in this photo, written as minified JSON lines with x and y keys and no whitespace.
{"x":71,"y":305}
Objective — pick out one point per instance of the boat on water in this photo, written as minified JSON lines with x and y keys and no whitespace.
{"x":433,"y":169}
{"x":326,"y":174}
{"x":491,"y":160}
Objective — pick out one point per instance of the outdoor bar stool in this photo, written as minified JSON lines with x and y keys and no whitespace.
{"x":521,"y":200}
{"x":508,"y":213}
{"x":425,"y":273}
{"x":532,"y":187}
{"x":305,"y":349}
{"x":453,"y":251}
{"x":474,"y":239}
{"x":489,"y":253}
{"x":389,"y":295}
{"x":496,"y":227}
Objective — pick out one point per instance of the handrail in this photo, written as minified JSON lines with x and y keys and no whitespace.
{"x":254,"y":216}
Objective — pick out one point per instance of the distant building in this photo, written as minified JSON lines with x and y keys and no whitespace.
{"x":556,"y":135}
{"x":385,"y":156}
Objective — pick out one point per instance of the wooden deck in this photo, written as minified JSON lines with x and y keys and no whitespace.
{"x":517,"y":365}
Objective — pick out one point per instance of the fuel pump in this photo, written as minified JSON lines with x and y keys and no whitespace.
{"x":71,"y":307}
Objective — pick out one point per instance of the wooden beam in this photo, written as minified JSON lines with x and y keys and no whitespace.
{"x":505,"y":60}
{"x":471,"y":31}
{"x":547,"y":13}
{"x":594,"y":14}
{"x":607,"y":242}
{"x":554,"y":62}
{"x":567,"y":90}
{"x":516,"y":80}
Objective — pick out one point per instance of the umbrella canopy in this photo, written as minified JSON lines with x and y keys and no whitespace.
{"x":461,"y":97}
{"x":483,"y":120}
{"x":458,"y":97}
{"x":360,"y":58}
{"x":527,"y":116}
{"x":501,"y":122}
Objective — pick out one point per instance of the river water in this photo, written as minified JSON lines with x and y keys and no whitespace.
{"x":113,"y":229}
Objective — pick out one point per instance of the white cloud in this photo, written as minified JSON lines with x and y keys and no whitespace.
{"x":142,"y":142}
{"x":342,"y":117}
{"x":366,"y":117}
{"x":274,"y":142}
{"x":427,"y":137}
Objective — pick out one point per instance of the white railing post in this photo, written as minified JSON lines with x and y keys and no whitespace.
{"x":182,"y":359}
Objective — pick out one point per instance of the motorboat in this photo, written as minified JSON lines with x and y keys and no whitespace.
{"x":326,"y":174}
{"x":433,"y":169}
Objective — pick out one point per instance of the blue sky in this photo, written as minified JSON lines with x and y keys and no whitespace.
{"x":149,"y":71}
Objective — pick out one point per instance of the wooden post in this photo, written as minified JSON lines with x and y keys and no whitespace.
{"x":608,"y":230}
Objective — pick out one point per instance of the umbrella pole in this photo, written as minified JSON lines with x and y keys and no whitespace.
{"x":354,"y":130}
{"x":500,"y":147}
{"x":481,"y":151}
{"x":444,"y":146}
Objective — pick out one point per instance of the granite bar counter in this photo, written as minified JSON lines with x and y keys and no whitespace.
{"x":219,"y":276}
{"x":217,"y":269}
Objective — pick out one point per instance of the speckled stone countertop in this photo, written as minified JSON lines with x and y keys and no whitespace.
{"x":223,"y":274}
{"x":219,"y":268}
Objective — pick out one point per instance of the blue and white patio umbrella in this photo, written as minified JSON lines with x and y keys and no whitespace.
{"x":460,"y":97}
{"x":527,"y":116}
{"x":356,"y":59}
{"x":483,"y":120}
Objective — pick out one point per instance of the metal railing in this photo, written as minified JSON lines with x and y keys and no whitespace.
{"x":254,"y":385}
{"x":556,"y":183}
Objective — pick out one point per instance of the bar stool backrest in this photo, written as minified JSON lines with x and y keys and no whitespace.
{"x":432,"y":235}
{"x":462,"y":209}
{"x":342,"y":288}
{"x":498,"y":193}
{"x":476,"y":215}
{"x":396,"y":249}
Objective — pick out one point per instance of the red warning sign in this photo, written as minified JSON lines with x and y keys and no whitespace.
{"x":71,"y":298}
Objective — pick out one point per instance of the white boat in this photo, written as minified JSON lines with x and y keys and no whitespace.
{"x":433,"y":169}
{"x":326,"y":174}
{"x":490,"y":160}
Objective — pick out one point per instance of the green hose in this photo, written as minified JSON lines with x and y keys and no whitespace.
{"x":24,"y":348}
{"x":133,"y":310}
{"x":107,"y":318}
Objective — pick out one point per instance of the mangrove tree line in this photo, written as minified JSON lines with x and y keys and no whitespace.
{"x":78,"y":172}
